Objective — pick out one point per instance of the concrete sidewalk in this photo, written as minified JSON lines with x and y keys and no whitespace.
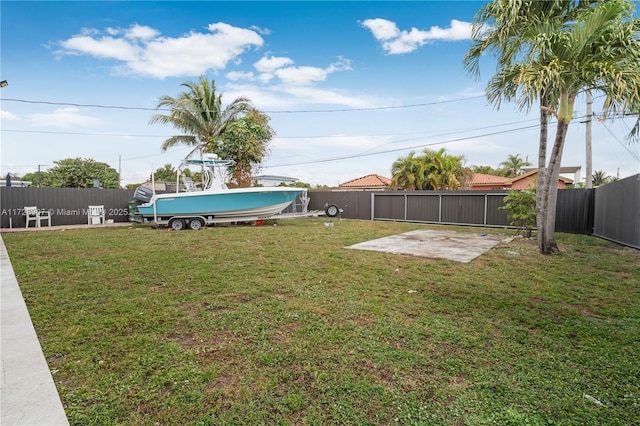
{"x":28,"y":395}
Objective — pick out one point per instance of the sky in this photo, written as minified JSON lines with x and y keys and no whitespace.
{"x":349,"y":87}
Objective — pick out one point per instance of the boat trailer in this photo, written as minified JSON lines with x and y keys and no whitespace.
{"x":297,"y":210}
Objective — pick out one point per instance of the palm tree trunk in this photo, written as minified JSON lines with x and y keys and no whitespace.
{"x":542,"y":162}
{"x":548,"y":242}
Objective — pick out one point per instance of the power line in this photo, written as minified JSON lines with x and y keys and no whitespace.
{"x":632,"y":153}
{"x":278,"y":137}
{"x":51,"y":132}
{"x":268,"y":112}
{"x":25,"y":101}
{"x":368,"y":154}
{"x":375,"y":108}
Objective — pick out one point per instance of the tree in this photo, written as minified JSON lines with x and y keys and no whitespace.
{"x":35,"y":178}
{"x":406,"y":172}
{"x":165,"y":174}
{"x":428,"y":171}
{"x":199,"y":114}
{"x":246,"y":142}
{"x":238,"y":132}
{"x":447,"y":170}
{"x":486,"y":170}
{"x":600,"y":178}
{"x":80,"y":173}
{"x":513,"y":165}
{"x":522,"y":209}
{"x":556,"y":56}
{"x":496,"y":26}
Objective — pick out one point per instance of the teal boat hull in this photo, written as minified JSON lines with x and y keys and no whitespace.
{"x":245,"y":202}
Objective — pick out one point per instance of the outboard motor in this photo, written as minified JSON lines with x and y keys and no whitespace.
{"x":143,"y":194}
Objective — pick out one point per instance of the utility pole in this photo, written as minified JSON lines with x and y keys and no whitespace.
{"x":588,"y":138}
{"x":40,"y":174}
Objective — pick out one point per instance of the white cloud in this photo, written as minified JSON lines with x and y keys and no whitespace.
{"x":395,"y":42}
{"x":301,"y":75}
{"x":313,"y":95}
{"x":287,"y":96}
{"x":104,"y":47}
{"x":63,"y":118}
{"x":145,"y":52}
{"x":141,"y":32}
{"x":381,"y":28}
{"x":6,"y":115}
{"x":239,"y":75}
{"x":305,"y":75}
{"x":268,"y":64}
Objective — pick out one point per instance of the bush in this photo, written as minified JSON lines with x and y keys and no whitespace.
{"x":522,"y":210}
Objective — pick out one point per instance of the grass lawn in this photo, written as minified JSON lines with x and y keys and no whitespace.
{"x":281,"y":325}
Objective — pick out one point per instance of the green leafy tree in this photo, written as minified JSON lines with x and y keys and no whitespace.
{"x":407,"y":172}
{"x":296,"y":185}
{"x":486,"y":170}
{"x":246,"y":141}
{"x":447,"y":171}
{"x":513,"y":165}
{"x":198,"y":112}
{"x":80,"y":173}
{"x":164,"y":174}
{"x":553,"y":53}
{"x":430,"y":170}
{"x":36,"y":178}
{"x":600,"y":178}
{"x":522,"y":210}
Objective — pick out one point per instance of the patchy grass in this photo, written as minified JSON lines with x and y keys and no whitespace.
{"x":282,"y":325}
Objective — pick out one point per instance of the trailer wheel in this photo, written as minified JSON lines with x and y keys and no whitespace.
{"x":332,"y":210}
{"x":177,"y":224}
{"x":196,"y":224}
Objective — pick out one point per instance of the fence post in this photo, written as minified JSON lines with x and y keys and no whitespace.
{"x":405,"y":207}
{"x":485,"y":208}
{"x":373,"y":205}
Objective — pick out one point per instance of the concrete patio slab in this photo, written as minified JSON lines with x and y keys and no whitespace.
{"x":451,"y":245}
{"x":28,"y":395}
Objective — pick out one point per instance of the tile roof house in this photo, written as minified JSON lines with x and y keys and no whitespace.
{"x":483,"y":182}
{"x":369,"y":182}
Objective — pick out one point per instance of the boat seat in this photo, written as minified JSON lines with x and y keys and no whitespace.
{"x":189,"y":184}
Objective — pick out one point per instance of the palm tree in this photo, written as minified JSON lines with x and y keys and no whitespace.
{"x":599,"y":50}
{"x":430,"y":170}
{"x":431,"y":161}
{"x":406,"y":172}
{"x":448,"y":170}
{"x":558,"y":56}
{"x":513,"y":165}
{"x":199,"y":114}
{"x":600,"y":178}
{"x":497,"y":26}
{"x":486,"y":170}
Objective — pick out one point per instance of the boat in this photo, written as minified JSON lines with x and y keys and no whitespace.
{"x":195,"y":206}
